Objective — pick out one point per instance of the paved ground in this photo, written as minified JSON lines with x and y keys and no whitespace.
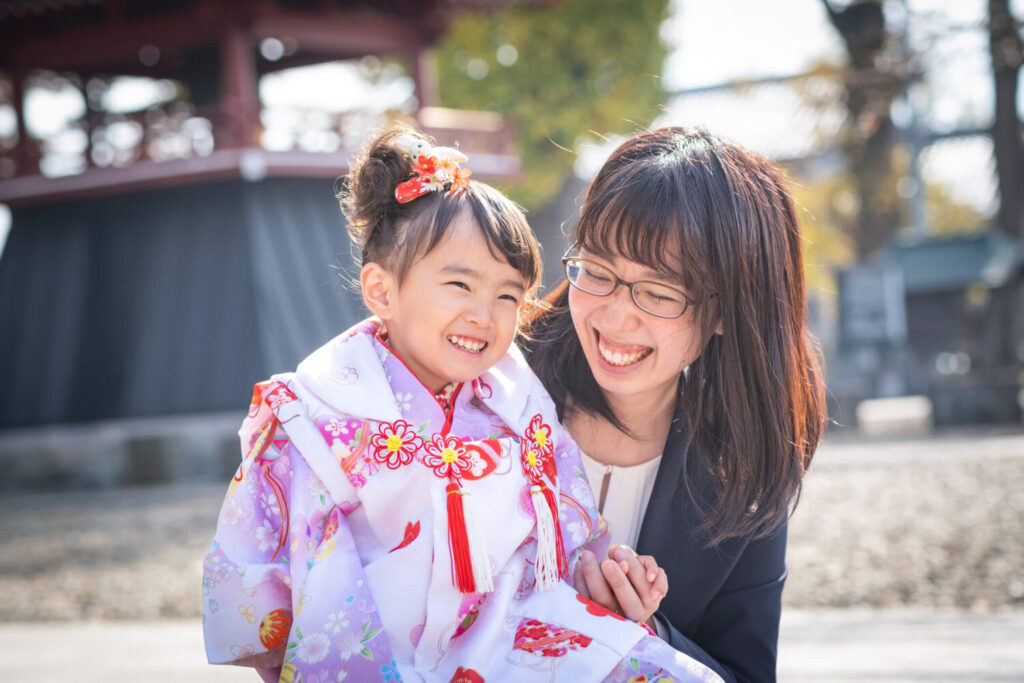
{"x":927,"y":532}
{"x":817,"y":646}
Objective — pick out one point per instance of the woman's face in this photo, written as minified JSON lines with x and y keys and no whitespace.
{"x":634,"y":355}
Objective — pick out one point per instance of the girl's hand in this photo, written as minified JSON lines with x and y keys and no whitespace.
{"x":629,"y":584}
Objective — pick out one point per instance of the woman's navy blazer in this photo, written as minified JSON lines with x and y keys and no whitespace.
{"x":723,"y":603}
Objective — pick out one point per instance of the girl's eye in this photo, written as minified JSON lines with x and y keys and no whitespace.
{"x":461,"y":285}
{"x":509,"y":297}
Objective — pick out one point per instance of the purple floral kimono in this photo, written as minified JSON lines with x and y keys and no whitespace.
{"x":332,"y":559}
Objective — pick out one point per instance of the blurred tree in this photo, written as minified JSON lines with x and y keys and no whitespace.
{"x":1007,"y":50}
{"x":948,"y":217}
{"x":824,"y":218}
{"x":873,"y":81}
{"x":558,"y":71}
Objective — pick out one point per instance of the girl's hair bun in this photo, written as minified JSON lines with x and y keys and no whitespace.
{"x":368,"y":195}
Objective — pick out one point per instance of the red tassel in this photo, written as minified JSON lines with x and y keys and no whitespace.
{"x":458,"y":541}
{"x":563,"y":565}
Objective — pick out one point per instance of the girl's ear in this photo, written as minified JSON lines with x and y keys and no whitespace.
{"x":718,"y":327}
{"x":377,"y":285}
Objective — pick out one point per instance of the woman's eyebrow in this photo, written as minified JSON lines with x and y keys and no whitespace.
{"x":669,"y":278}
{"x":469,"y":271}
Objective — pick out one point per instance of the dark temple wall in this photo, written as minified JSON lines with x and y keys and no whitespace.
{"x":169,"y":301}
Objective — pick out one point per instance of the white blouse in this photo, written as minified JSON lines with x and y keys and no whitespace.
{"x":626,"y":492}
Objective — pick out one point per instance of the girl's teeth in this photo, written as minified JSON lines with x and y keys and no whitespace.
{"x":473,"y":346}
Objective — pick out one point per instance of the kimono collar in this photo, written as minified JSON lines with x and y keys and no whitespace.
{"x":506,"y":388}
{"x":347,"y":374}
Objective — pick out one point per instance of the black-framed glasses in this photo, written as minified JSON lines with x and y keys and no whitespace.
{"x":658,"y":299}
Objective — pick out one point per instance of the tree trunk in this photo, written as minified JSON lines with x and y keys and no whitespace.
{"x":1007,"y":50}
{"x":871,"y":87}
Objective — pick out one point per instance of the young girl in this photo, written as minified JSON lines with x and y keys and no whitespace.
{"x":408,"y":507}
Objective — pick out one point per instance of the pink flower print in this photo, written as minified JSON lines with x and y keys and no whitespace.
{"x":581,"y":491}
{"x":270,"y":503}
{"x":349,"y":644}
{"x":446,"y":455}
{"x":333,"y":522}
{"x":369,"y":465}
{"x":345,"y":376}
{"x":266,"y":536}
{"x":279,"y":396}
{"x":476,"y":463}
{"x":336,"y":622}
{"x":232,"y":512}
{"x":578,"y":530}
{"x":335,"y":427}
{"x":313,"y":647}
{"x":395,"y":443}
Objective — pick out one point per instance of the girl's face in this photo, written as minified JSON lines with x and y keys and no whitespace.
{"x":456,"y":312}
{"x":633,"y":354}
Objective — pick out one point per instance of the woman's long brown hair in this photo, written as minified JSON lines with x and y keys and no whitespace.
{"x":684,"y":201}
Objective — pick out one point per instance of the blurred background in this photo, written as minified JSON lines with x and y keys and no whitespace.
{"x":169,"y":235}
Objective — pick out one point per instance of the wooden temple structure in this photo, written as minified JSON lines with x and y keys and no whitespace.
{"x":167,"y":278}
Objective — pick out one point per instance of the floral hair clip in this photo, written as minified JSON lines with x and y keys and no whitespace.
{"x":436,"y":168}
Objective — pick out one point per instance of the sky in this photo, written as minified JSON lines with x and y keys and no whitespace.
{"x":710,"y":42}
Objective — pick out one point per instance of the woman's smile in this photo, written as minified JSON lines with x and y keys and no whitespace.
{"x":620,"y":355}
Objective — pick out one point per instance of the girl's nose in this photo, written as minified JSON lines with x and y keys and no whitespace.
{"x":480,"y":313}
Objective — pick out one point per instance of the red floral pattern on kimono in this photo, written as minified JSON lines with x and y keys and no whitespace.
{"x":597,"y":609}
{"x":395,"y":443}
{"x":447,"y":456}
{"x":548,"y":640}
{"x":464,"y":675}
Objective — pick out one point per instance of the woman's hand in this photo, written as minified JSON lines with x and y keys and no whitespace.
{"x":626,"y":583}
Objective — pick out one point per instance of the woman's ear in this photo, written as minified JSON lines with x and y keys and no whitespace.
{"x":377,"y":285}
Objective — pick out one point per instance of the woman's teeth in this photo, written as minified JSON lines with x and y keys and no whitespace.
{"x":471,"y":345}
{"x":619,"y":357}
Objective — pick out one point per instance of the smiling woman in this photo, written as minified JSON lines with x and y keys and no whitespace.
{"x":678,"y":357}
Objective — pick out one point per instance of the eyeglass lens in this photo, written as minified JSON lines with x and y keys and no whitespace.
{"x":656,"y":299}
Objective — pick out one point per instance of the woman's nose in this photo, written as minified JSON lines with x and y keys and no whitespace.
{"x":619,"y":304}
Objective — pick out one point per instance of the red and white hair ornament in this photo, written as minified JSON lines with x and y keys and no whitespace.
{"x":437,"y":169}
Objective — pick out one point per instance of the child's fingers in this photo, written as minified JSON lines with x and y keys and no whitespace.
{"x":578,"y":580}
{"x":644,"y":574}
{"x":633,"y":567}
{"x":651,"y":566}
{"x":597,"y":585}
{"x":629,"y":601}
{"x":660,"y":588}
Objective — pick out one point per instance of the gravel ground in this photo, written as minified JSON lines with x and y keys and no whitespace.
{"x":935,"y":522}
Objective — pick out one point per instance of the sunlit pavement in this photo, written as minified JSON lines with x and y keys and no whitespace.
{"x":894,"y":646}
